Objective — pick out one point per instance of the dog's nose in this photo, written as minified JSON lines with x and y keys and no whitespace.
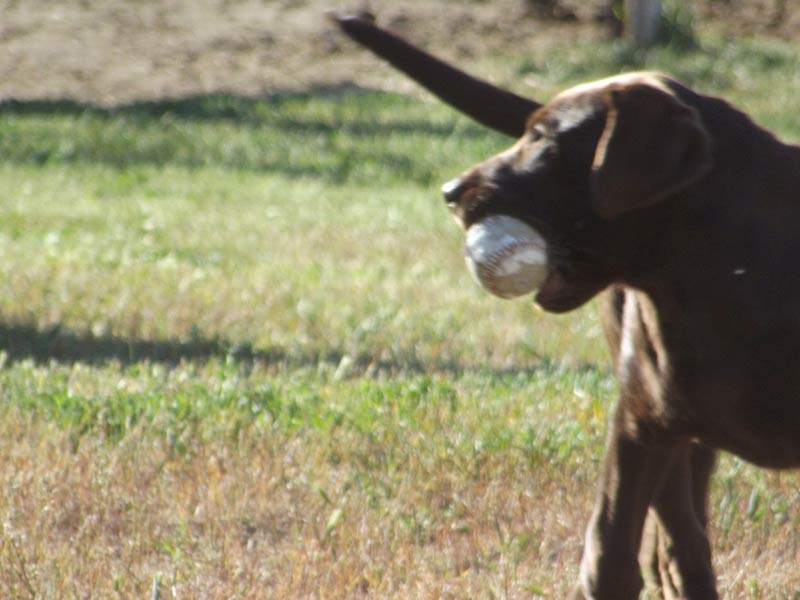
{"x":452,"y":191}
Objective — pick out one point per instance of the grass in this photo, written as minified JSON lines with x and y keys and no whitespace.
{"x":242,"y":357}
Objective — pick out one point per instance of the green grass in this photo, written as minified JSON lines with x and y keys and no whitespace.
{"x":230,"y":323}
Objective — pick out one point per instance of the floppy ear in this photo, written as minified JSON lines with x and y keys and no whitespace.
{"x":653,"y":145}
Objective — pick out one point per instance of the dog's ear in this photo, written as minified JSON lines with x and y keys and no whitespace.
{"x":653,"y":145}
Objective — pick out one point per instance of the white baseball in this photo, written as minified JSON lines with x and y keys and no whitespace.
{"x":506,"y":256}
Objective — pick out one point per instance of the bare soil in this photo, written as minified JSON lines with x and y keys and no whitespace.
{"x":116,"y":52}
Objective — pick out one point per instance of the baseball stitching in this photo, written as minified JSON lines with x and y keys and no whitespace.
{"x":494,"y":261}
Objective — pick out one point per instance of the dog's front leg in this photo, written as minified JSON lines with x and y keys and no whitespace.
{"x":675,"y":547}
{"x":633,"y":470}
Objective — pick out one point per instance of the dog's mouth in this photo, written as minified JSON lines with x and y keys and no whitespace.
{"x":569,"y":281}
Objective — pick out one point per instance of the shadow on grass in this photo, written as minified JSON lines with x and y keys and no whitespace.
{"x":255,"y":111}
{"x":26,"y":342}
{"x":22,"y":342}
{"x":333,"y":133}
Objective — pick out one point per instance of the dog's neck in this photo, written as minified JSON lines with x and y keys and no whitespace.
{"x":740,"y":145}
{"x":725,"y":242}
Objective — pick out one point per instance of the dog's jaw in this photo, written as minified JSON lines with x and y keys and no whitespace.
{"x":557,"y":295}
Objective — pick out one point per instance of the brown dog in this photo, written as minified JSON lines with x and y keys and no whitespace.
{"x":687,"y":214}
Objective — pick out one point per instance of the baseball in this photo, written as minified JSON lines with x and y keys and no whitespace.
{"x":506,"y":256}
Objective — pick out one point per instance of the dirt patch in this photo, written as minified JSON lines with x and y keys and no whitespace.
{"x":117,"y":52}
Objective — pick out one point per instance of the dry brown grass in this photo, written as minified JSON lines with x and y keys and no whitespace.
{"x":249,"y":521}
{"x":274,"y":517}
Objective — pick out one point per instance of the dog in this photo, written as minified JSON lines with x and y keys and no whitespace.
{"x":684,"y":215}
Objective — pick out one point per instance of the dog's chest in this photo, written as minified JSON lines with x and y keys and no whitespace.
{"x":745,"y":399}
{"x":739,"y":394}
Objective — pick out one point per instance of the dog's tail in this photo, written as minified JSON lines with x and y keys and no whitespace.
{"x":491,"y":106}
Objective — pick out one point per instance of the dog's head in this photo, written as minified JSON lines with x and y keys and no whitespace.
{"x":587,"y":167}
{"x":590,"y":172}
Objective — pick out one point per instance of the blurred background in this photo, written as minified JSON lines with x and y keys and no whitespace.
{"x":115,"y":51}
